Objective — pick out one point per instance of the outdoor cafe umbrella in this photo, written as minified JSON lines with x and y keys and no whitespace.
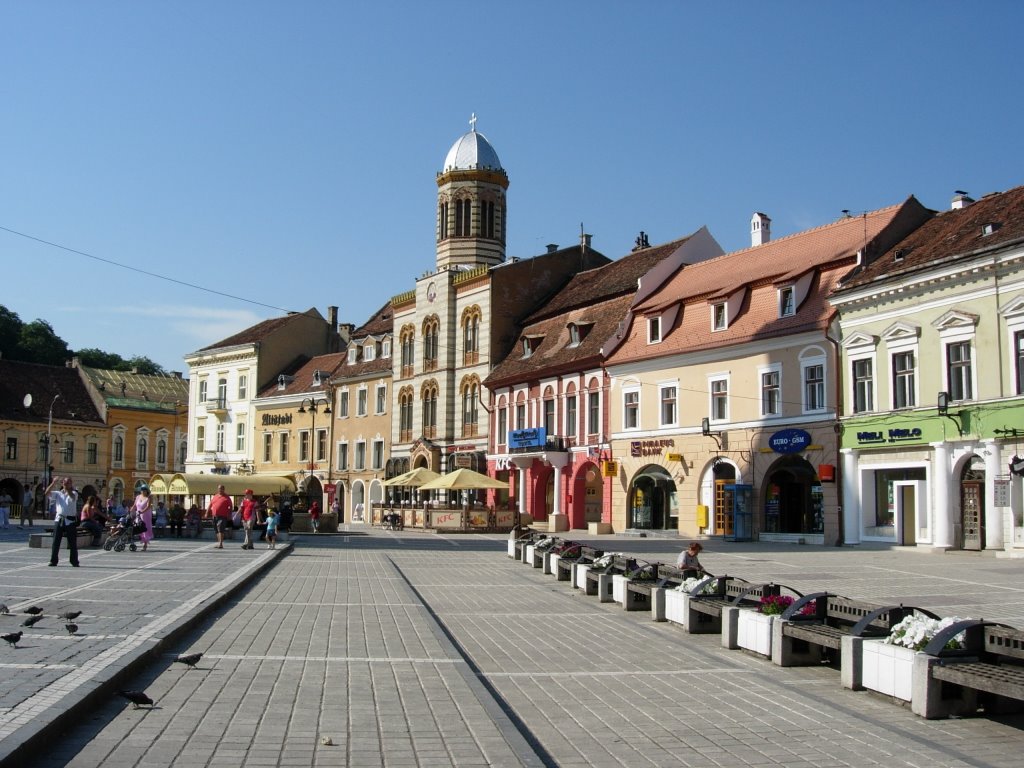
{"x":414,"y":477}
{"x":464,"y":480}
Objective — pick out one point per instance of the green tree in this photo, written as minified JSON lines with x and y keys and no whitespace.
{"x":97,"y":358}
{"x":39,"y":344}
{"x":144,"y":366}
{"x":10,"y":333}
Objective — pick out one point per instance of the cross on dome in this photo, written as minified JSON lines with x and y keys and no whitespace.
{"x":472,"y":122}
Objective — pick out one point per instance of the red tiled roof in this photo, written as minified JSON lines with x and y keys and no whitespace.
{"x":949,"y":235}
{"x":18,"y":379}
{"x":260,"y":331}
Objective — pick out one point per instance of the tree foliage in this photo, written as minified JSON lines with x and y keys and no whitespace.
{"x":37,"y":342}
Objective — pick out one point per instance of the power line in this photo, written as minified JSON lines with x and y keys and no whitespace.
{"x":142,"y":271}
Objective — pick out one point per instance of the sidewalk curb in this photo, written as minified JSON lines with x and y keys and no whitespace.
{"x":18,"y":749}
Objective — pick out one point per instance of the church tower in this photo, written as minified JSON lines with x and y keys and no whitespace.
{"x":471,"y":212}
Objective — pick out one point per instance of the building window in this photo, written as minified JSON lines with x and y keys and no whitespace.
{"x":69,"y":452}
{"x":463,"y":217}
{"x":321,"y":445}
{"x":240,"y":437}
{"x":41,"y":452}
{"x":771,"y":393}
{"x":304,"y":446}
{"x":408,"y":341}
{"x":222,"y":392}
{"x":958,"y":370}
{"x":405,"y":402}
{"x":92,"y":453}
{"x":550,"y":427}
{"x":182,"y":453}
{"x":378,"y":454}
{"x":520,"y":416}
{"x":142,"y":451}
{"x":653,"y":330}
{"x":343,"y":456}
{"x":243,"y":386}
{"x":200,"y":442}
{"x":268,"y":447}
{"x":593,"y":413}
{"x":669,"y":407}
{"x":431,"y":331}
{"x":814,"y":387}
{"x":471,"y":337}
{"x":787,"y":302}
{"x":863,"y":386}
{"x":630,"y":409}
{"x":202,"y":390}
{"x":1018,"y":346}
{"x":12,"y":449}
{"x":360,"y":455}
{"x":353,"y":355}
{"x":370,"y":351}
{"x":720,"y":399}
{"x":382,"y":399}
{"x":220,"y":438}
{"x":161,"y":452}
{"x":501,"y":437}
{"x":430,"y":412}
{"x":282,"y":453}
{"x":361,"y":402}
{"x":343,"y":404}
{"x":487,"y":219}
{"x":903,"y":380}
{"x":571,"y":423}
{"x":719,"y":317}
{"x":385,"y":348}
{"x":469,"y":408}
{"x":442,"y":221}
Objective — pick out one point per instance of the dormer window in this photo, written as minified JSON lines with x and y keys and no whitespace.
{"x":353,"y":355}
{"x":989,"y":228}
{"x":385,"y":348}
{"x":653,"y":330}
{"x":316,"y":378}
{"x":787,"y":302}
{"x":530,"y":344}
{"x":369,"y":351}
{"x":281,"y":383}
{"x":719,"y":317}
{"x":577,"y":333}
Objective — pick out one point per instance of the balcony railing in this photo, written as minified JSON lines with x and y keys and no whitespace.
{"x":217,"y":405}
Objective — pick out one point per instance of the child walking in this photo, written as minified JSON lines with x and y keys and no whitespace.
{"x":272,"y":520}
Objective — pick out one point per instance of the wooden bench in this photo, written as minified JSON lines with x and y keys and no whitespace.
{"x":570,"y":554}
{"x":715,"y":611}
{"x":987,"y":673}
{"x":811,"y":630}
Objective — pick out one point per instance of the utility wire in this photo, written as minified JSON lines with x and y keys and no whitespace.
{"x":142,"y":271}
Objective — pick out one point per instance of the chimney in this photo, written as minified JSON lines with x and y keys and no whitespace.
{"x":332,"y":317}
{"x":760,"y":229}
{"x":585,"y":241}
{"x":960,"y":200}
{"x":552,"y":247}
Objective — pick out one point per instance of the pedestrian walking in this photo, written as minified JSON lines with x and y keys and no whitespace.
{"x":143,"y":511}
{"x":314,"y":516}
{"x":65,"y":518}
{"x":220,"y":511}
{"x":5,"y":508}
{"x":250,"y":516}
{"x":272,"y":521}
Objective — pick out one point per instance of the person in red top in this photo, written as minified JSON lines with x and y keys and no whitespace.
{"x":314,"y":516}
{"x":250,"y":517}
{"x":220,"y":511}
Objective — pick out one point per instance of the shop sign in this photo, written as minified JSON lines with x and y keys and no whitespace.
{"x":276,"y":419}
{"x":900,"y":435}
{"x":503,"y":464}
{"x":789,"y":441}
{"x":650,"y":447}
{"x":535,"y":437}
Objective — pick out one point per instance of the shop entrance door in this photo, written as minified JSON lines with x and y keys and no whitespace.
{"x":971,"y":506}
{"x":905,"y":499}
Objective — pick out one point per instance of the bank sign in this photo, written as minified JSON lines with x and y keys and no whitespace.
{"x":789,"y":441}
{"x":527,"y":438}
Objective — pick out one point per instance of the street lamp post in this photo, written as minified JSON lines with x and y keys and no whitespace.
{"x":49,"y":440}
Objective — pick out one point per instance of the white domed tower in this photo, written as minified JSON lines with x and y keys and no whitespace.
{"x":471,"y":213}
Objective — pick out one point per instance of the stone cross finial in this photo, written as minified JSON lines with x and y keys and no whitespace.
{"x":472,"y":122}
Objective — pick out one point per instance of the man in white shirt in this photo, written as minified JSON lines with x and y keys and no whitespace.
{"x":65,"y":519}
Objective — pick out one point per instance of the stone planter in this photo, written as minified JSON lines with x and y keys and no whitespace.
{"x":619,"y":588}
{"x":675,"y":606}
{"x":888,"y":669}
{"x":754,"y":632}
{"x":581,"y":576}
{"x":512,"y":548}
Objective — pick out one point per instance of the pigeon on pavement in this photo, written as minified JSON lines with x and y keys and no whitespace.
{"x":136,"y":697}
{"x":34,"y":610}
{"x":71,"y":615}
{"x":71,"y":628}
{"x":191,"y":659}
{"x":13,"y":638}
{"x":31,"y":620}
{"x":4,"y":610}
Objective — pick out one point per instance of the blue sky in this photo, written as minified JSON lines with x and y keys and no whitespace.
{"x":286,"y":153}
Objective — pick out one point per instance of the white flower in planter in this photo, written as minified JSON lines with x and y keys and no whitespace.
{"x":690,"y":583}
{"x":917,"y":630}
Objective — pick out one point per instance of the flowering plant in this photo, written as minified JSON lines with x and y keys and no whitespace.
{"x":690,"y":584}
{"x":604,"y":560}
{"x":773,"y":605}
{"x":916,"y":631}
{"x":567,"y":550}
{"x":546,"y":543}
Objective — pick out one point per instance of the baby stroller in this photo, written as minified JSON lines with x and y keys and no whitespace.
{"x":392,"y":522}
{"x":123,"y":534}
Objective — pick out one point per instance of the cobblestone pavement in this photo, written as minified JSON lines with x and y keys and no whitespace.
{"x":416,"y":649}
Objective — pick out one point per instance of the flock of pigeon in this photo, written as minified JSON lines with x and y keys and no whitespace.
{"x":35,"y":615}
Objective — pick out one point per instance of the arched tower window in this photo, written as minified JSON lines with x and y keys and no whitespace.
{"x":442,"y":220}
{"x":471,"y":335}
{"x":405,"y":405}
{"x":429,"y":397}
{"x":431,"y":331}
{"x":470,"y":390}
{"x":407,"y":338}
{"x":463,"y":218}
{"x":487,"y":219}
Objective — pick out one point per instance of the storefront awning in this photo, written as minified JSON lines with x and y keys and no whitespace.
{"x":158,"y":484}
{"x":182,"y":484}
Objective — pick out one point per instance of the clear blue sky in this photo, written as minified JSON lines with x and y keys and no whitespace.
{"x":286,"y":152}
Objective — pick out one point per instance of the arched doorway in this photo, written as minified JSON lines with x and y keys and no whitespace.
{"x":972,"y":505}
{"x":714,"y":495}
{"x":793,"y":499}
{"x":652,"y":500}
{"x":359,"y":511}
{"x":313,"y":491}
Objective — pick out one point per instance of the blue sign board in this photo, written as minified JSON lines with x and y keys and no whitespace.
{"x":527,"y":438}
{"x":789,"y":441}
